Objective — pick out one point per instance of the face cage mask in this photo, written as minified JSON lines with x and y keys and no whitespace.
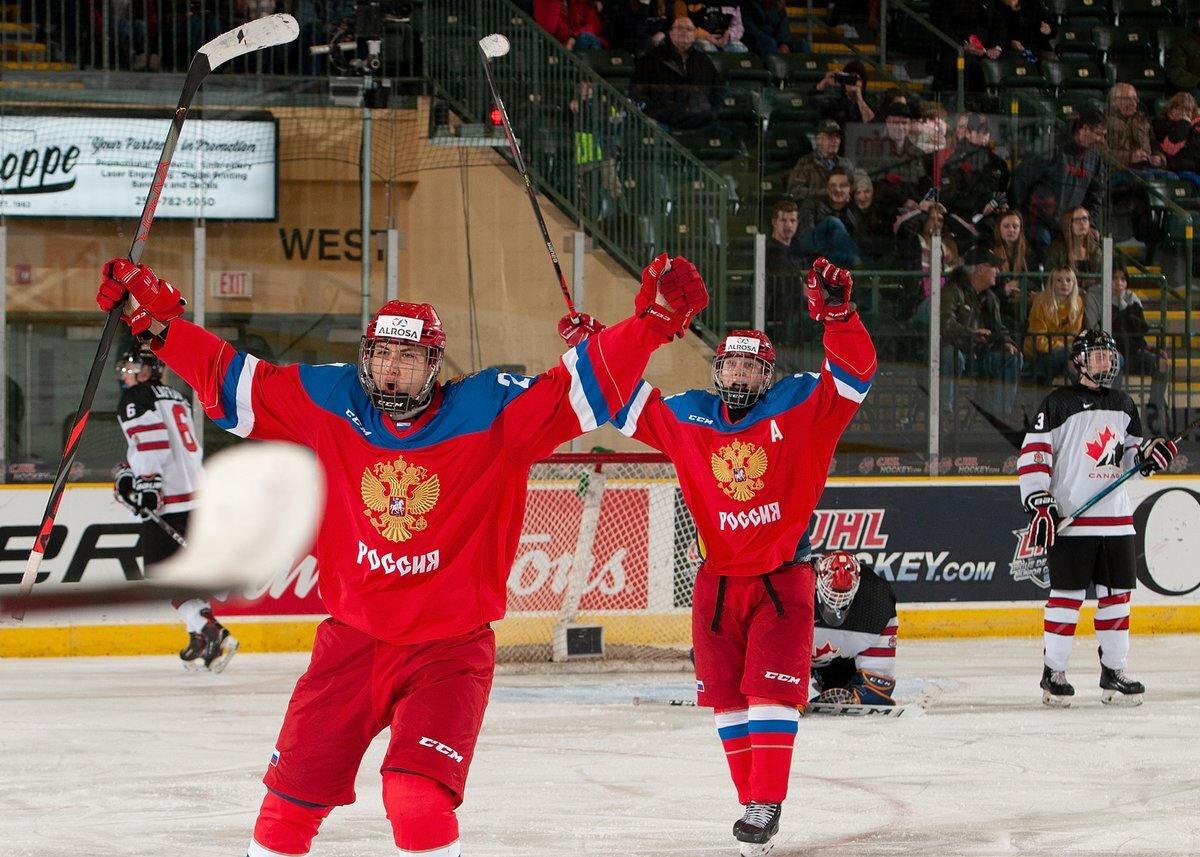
{"x":1107,"y":377}
{"x":397,"y":405}
{"x":834,"y":604}
{"x":743,"y":396}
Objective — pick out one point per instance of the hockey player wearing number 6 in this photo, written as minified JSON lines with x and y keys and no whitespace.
{"x":159,"y":479}
{"x":752,"y":459}
{"x":1085,"y":434}
{"x":426,"y":487}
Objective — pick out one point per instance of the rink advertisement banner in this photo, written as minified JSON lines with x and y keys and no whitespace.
{"x":54,"y":166}
{"x":634,"y":551}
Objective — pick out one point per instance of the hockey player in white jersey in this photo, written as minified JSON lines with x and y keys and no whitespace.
{"x":854,"y":639}
{"x":159,"y":481}
{"x":1084,"y":435}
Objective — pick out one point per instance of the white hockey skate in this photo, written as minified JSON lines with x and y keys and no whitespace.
{"x":1116,"y":688}
{"x":756,"y":829}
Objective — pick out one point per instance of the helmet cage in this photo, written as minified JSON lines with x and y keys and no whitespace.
{"x":395,"y":402}
{"x":1096,"y":341}
{"x":838,"y":577}
{"x":744,"y":345}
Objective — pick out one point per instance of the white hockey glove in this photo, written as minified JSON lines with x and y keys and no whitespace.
{"x":1156,"y":454}
{"x":1044,"y":508}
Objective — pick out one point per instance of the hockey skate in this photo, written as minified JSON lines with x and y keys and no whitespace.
{"x":1116,"y":688}
{"x":1056,"y":690}
{"x":757,"y":827}
{"x":211,"y":648}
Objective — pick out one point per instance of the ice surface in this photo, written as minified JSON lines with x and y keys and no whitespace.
{"x":133,"y":756}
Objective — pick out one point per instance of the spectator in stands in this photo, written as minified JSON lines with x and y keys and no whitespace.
{"x":811,"y":172}
{"x":1009,"y":246}
{"x":718,"y":25}
{"x":1073,"y":175}
{"x":829,"y":224}
{"x":1183,"y":60}
{"x":1055,"y":318}
{"x":875,"y":237}
{"x":1023,"y":27}
{"x":1130,"y":137}
{"x":675,"y":84}
{"x":637,"y":25}
{"x":917,"y":233}
{"x":895,"y":165}
{"x":1077,"y":247}
{"x":768,"y":30}
{"x":891,"y":95}
{"x":575,"y":24}
{"x":975,"y":339}
{"x":974,"y":183}
{"x":321,"y":23}
{"x":967,"y":24}
{"x":1177,"y":135}
{"x":787,"y":272}
{"x":134,"y":27}
{"x":839,"y":95}
{"x":928,"y":131}
{"x":784,"y":255}
{"x":1129,"y":329}
{"x":199,"y":25}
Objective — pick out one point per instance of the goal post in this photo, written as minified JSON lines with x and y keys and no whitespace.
{"x":605,"y":564}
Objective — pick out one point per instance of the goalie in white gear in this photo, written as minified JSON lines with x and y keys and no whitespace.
{"x":854,"y":639}
{"x":159,"y":480}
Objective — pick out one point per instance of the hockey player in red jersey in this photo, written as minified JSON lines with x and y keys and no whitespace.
{"x":752,"y":460}
{"x":159,"y":479}
{"x":426,"y":486}
{"x":1084,"y":435}
{"x":854,"y":636}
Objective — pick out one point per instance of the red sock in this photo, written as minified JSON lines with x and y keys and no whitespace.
{"x":287,"y":827}
{"x":772,"y":726}
{"x":421,"y":811}
{"x":735,"y":739}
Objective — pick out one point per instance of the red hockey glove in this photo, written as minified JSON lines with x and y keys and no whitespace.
{"x":159,"y":300}
{"x":680,"y":286}
{"x":575,"y":329}
{"x":829,"y":291}
{"x":1044,"y":508}
{"x":1156,"y":455}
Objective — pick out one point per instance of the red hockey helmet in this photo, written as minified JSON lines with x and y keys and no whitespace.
{"x":838,"y":576}
{"x":744,"y":367}
{"x":399,"y":324}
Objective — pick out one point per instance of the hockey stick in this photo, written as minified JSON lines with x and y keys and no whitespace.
{"x":263,"y":33}
{"x":258,"y":505}
{"x":165,"y":527}
{"x":491,"y":47}
{"x":1112,"y":486}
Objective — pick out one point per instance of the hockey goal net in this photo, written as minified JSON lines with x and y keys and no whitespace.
{"x":605,"y":565}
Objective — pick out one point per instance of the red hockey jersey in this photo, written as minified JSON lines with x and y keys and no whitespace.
{"x":752,"y":485}
{"x":422,"y":518}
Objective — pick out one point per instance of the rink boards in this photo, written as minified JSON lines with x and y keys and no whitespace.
{"x":954,"y":550}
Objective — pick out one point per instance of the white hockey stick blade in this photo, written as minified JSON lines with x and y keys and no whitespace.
{"x":494,"y":45}
{"x":674,"y":703}
{"x":265,"y":32}
{"x":839,"y":710}
{"x":257,"y":512}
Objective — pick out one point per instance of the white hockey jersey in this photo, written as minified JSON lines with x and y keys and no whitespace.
{"x":1081,"y":440}
{"x":865,"y":641}
{"x":157,"y":422}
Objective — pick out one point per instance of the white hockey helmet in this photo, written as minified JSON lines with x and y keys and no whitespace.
{"x":838,"y":576}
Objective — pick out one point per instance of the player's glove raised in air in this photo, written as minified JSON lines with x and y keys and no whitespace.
{"x":828,"y":291}
{"x":137,"y":493}
{"x":866,"y":688}
{"x":158,"y":300}
{"x":1044,"y":508}
{"x":575,"y":329}
{"x":1156,"y":454}
{"x":672,"y":292}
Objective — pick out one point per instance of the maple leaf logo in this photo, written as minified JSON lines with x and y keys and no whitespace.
{"x":1100,"y":449}
{"x":825,"y":650}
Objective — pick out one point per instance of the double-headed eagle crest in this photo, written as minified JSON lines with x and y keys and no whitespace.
{"x":397,"y":495}
{"x":738,"y":467}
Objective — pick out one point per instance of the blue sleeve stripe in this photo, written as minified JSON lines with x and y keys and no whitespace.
{"x":737,"y":730}
{"x":781,"y":727}
{"x":627,"y":418}
{"x":235,"y":395}
{"x":848,"y":385}
{"x":586,"y":397}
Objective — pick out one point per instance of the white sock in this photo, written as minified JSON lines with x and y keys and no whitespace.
{"x":1062,"y":615}
{"x":1112,"y":626}
{"x":189,"y":612}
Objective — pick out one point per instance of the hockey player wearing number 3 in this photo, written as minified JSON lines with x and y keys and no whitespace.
{"x":752,"y":461}
{"x":159,"y":477}
{"x":1084,"y":434}
{"x":426,"y":486}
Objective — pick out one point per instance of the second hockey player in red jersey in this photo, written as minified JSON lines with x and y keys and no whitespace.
{"x":1085,"y":435}
{"x":752,"y":460}
{"x":426,"y":486}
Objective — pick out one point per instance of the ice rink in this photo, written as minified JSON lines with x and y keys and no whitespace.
{"x":133,"y":756}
